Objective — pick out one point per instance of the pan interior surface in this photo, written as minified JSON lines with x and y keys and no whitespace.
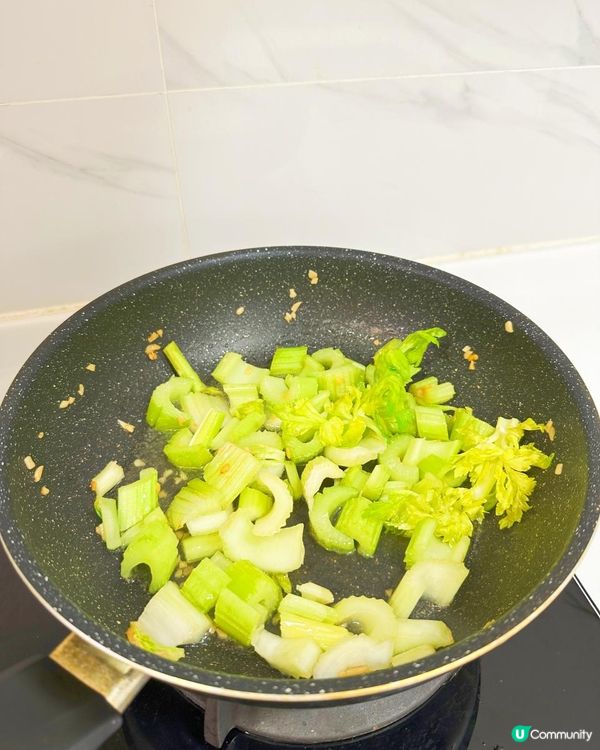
{"x":359,"y":297}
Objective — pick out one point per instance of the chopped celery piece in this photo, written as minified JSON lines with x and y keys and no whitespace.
{"x":288,"y":360}
{"x":137,"y":499}
{"x":338,"y":380}
{"x":255,"y":503}
{"x":280,"y":553}
{"x":421,"y":448}
{"x":198,"y":547}
{"x":107,"y":479}
{"x":197,"y":406}
{"x":424,"y":545}
{"x":171,"y":620}
{"x":240,"y":393}
{"x":413,"y":654}
{"x":407,"y":593}
{"x":295,"y":657}
{"x":325,"y":505}
{"x":468,"y":429}
{"x":431,"y":423}
{"x":367,"y":450}
{"x":204,"y":584}
{"x":155,"y":546}
{"x":412,"y":633}
{"x":429,"y":391}
{"x":325,"y":634}
{"x":376,"y":481}
{"x":275,"y":468}
{"x":300,"y":452}
{"x":355,"y":655}
{"x":261,"y":438}
{"x":401,"y":476}
{"x":316,"y":471}
{"x":329,"y":357}
{"x":141,"y":640}
{"x":301,"y":607}
{"x":207,"y":523}
{"x":162,"y":412}
{"x":233,"y":370}
{"x":110,"y":522}
{"x":273,"y":390}
{"x":283,"y":505}
{"x":374,"y":617}
{"x":315,"y":592}
{"x":223,"y":562}
{"x":195,"y":498}
{"x":181,"y":366}
{"x":355,"y":477}
{"x":237,"y":429}
{"x":283,"y":581}
{"x":301,"y":386}
{"x":237,"y":618}
{"x":436,"y":580}
{"x":253,"y":585}
{"x":435,"y":466}
{"x":155,"y":515}
{"x":208,"y":428}
{"x":354,"y":522}
{"x":442,"y":579}
{"x":311,"y":366}
{"x":293,"y":478}
{"x":231,"y":470}
{"x":182,"y":453}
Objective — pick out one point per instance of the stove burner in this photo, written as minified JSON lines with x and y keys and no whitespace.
{"x":310,"y":725}
{"x":161,"y":717}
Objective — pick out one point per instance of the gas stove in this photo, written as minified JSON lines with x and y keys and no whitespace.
{"x":547,"y":677}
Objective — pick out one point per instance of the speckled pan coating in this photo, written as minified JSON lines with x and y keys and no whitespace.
{"x":359,"y":296}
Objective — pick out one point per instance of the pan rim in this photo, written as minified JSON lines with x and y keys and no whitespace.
{"x":286,"y":690}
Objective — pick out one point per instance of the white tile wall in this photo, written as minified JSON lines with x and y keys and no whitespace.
{"x":72,"y":48}
{"x":415,"y":166}
{"x":211,"y":43}
{"x":88,"y":198}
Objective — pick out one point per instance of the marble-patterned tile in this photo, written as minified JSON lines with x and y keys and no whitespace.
{"x":18,"y":339}
{"x":209,"y":43}
{"x":88,"y":198}
{"x":72,"y":48}
{"x":416,"y":167}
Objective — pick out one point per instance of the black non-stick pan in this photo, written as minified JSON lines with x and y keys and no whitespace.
{"x":359,"y":297}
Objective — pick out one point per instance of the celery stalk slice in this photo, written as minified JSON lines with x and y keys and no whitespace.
{"x":295,"y":657}
{"x":374,"y":616}
{"x":181,"y":366}
{"x":314,"y":474}
{"x":315,"y":592}
{"x":231,"y":470}
{"x":198,"y":547}
{"x":414,"y":654}
{"x":281,"y":510}
{"x":324,"y":633}
{"x":357,"y":654}
{"x":170,"y":619}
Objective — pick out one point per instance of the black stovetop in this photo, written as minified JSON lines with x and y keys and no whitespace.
{"x":546,"y":677}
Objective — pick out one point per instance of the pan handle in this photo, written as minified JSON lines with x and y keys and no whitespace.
{"x":72,"y":700}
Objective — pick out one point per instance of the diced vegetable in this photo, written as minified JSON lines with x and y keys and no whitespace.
{"x":184,"y":453}
{"x":253,"y":585}
{"x":233,"y":370}
{"x":181,"y":366}
{"x":324,"y":633}
{"x":279,"y":553}
{"x":110,"y":522}
{"x":375,"y":483}
{"x":238,"y":618}
{"x":315,"y":592}
{"x":315,"y":473}
{"x":171,"y":620}
{"x":325,"y":505}
{"x":282,"y":507}
{"x":141,"y":640}
{"x":255,"y":503}
{"x":414,"y":654}
{"x":197,"y":497}
{"x":207,"y":523}
{"x":204,"y":584}
{"x":163,"y":413}
{"x":107,"y":479}
{"x":374,"y":617}
{"x":354,"y":521}
{"x":358,"y":654}
{"x":231,"y":470}
{"x":195,"y":548}
{"x":155,"y":546}
{"x":288,"y":360}
{"x":413,"y":633}
{"x":296,"y":657}
{"x":301,"y":607}
{"x":137,"y":499}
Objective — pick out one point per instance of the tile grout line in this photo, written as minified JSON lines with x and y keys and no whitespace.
{"x":284,"y":84}
{"x":184,"y":228}
{"x":494,"y":252}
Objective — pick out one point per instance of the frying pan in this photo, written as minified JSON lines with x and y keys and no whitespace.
{"x":359,"y":297}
